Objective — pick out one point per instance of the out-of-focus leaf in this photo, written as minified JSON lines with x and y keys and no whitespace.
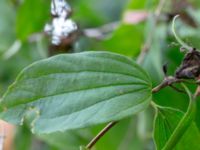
{"x":165,"y":123}
{"x":31,"y":17}
{"x":144,"y":128}
{"x":70,"y":140}
{"x":83,"y":148}
{"x":197,"y":119}
{"x":23,"y":138}
{"x":154,"y":60}
{"x":89,"y":88}
{"x":7,"y":22}
{"x":12,"y":50}
{"x":10,"y":68}
{"x":96,"y":13}
{"x":119,"y":137}
{"x":138,"y":4}
{"x":127,"y":40}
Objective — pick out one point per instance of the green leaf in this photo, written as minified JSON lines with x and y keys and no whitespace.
{"x":31,"y":17}
{"x":139,"y":5}
{"x":73,"y":91}
{"x":70,"y":139}
{"x":153,"y":61}
{"x":136,"y":4}
{"x":126,"y":40}
{"x":83,"y":148}
{"x":96,"y":13}
{"x":197,"y":119}
{"x":23,"y":134}
{"x":166,"y":121}
{"x":7,"y":20}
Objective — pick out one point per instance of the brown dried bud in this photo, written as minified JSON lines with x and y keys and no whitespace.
{"x":190,"y":66}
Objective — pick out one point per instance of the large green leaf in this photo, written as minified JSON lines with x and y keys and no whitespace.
{"x":166,"y":121}
{"x":72,"y":91}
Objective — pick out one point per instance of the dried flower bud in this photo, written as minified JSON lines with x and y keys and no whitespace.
{"x":190,"y":66}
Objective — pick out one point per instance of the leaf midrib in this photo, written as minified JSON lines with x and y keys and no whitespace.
{"x":106,"y":99}
{"x":82,"y":71}
{"x":73,"y":91}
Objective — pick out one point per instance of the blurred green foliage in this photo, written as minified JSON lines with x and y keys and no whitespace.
{"x":24,"y":20}
{"x":31,"y":17}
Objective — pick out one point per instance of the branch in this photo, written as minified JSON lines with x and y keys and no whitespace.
{"x":168,"y":81}
{"x":100,"y":134}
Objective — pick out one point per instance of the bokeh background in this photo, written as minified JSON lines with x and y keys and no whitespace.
{"x":121,"y":26}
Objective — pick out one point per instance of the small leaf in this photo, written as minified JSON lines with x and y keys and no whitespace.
{"x":165,"y":123}
{"x":71,"y":91}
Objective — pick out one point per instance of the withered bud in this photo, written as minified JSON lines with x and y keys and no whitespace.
{"x":190,"y":66}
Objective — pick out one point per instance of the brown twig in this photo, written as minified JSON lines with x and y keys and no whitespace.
{"x":166,"y":82}
{"x":169,"y":81}
{"x":100,"y":134}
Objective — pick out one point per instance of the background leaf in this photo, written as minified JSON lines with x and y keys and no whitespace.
{"x":75,"y":91}
{"x":31,"y":17}
{"x":70,"y":139}
{"x":166,"y":121}
{"x":23,"y":134}
{"x":95,"y":13}
{"x":7,"y":20}
{"x":126,"y":40}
